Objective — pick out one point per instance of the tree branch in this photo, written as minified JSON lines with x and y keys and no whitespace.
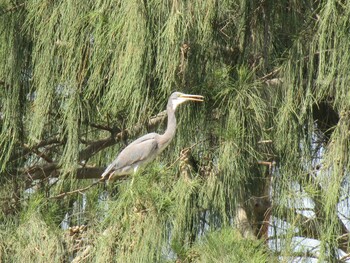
{"x":27,"y":149}
{"x":39,"y":153}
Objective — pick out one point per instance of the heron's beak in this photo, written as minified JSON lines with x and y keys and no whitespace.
{"x":192,"y":97}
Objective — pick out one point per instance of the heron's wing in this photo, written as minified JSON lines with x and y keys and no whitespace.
{"x":143,"y":149}
{"x":147,"y":137}
{"x":140,"y":150}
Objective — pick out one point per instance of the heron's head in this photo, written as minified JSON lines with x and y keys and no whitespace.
{"x":177,"y":98}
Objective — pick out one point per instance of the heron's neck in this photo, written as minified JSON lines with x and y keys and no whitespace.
{"x":171,"y":127}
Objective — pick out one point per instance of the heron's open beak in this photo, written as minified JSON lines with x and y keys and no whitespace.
{"x":192,"y":97}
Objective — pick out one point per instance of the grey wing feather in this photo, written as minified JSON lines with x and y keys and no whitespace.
{"x":139,"y":150}
{"x":146,"y":137}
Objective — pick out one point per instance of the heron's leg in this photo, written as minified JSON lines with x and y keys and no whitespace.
{"x":133,"y":175}
{"x":132,"y":181}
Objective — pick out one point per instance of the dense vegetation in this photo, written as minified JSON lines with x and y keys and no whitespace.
{"x":258,"y":172}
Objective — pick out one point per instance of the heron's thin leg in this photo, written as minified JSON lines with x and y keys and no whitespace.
{"x":135,"y":173}
{"x":132,"y":181}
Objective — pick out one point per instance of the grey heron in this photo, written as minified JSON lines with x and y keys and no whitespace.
{"x":145,"y":149}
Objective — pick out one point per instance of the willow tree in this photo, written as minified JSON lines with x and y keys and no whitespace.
{"x":259,"y":172}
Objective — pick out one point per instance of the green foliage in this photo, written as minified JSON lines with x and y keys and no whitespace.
{"x":76,"y":79}
{"x":227,"y":245}
{"x":31,"y":239}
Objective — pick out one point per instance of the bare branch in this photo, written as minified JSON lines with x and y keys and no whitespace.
{"x":103,"y":127}
{"x":95,"y":147}
{"x":28,"y":149}
{"x":344,"y":258}
{"x":265,"y":141}
{"x":39,"y":153}
{"x":78,"y":190}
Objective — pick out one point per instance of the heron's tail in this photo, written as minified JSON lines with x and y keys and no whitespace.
{"x":107,"y":171}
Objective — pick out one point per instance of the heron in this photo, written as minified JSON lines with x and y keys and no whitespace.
{"x":146,"y":148}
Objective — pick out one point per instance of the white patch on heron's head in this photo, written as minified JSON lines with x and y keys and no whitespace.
{"x":177,"y":101}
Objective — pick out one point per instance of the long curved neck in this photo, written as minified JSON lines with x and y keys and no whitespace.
{"x":171,"y":127}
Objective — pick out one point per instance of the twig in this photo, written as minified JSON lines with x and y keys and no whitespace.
{"x":269,"y":164}
{"x":38,"y":153}
{"x":106,"y":128}
{"x":265,"y":141}
{"x":85,"y":254}
{"x":188,"y":148}
{"x":265,"y":78}
{"x":77,"y":191}
{"x":345,"y":257}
